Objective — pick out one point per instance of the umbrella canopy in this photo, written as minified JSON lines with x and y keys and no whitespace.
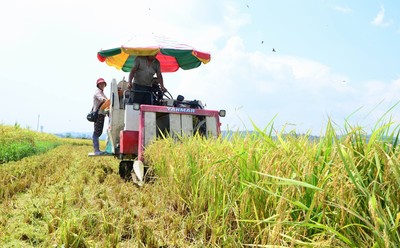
{"x":171,"y":54}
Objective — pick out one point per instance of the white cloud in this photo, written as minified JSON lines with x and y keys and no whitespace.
{"x":343,"y":9}
{"x":258,"y":85}
{"x":234,"y":18}
{"x":249,"y":82}
{"x":384,"y":90}
{"x":379,"y":19}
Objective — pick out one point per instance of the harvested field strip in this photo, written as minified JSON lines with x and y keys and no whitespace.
{"x":65,"y":198}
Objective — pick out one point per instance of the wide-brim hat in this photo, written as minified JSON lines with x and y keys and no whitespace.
{"x":100,"y":80}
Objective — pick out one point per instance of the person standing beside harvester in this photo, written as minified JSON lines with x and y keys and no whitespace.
{"x":98,"y":99}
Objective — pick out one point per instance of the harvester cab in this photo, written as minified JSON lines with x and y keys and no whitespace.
{"x":132,"y":126}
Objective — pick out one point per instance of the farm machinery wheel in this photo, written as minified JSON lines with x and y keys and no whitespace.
{"x":125,"y":170}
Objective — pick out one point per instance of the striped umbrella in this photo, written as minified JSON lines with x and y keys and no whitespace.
{"x":171,"y":54}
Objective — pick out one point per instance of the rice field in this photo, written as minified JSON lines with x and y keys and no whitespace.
{"x":263,"y":189}
{"x":17,"y":143}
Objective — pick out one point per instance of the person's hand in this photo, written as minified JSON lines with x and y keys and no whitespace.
{"x":130,"y":86}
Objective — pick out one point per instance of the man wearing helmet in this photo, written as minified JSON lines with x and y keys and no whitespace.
{"x":142,"y":73}
{"x":98,"y":99}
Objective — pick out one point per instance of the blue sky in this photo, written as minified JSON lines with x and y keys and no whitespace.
{"x":332,"y":58}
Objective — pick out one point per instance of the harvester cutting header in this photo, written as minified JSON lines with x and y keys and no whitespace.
{"x":143,"y":110}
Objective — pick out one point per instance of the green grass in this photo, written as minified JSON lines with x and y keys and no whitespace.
{"x":17,"y":151}
{"x":17,"y":143}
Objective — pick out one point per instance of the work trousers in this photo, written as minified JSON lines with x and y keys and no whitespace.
{"x":98,"y":126}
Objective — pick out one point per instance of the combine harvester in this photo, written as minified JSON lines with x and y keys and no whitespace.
{"x":132,"y":127}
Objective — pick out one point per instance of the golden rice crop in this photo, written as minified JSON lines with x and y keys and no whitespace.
{"x":262,"y":189}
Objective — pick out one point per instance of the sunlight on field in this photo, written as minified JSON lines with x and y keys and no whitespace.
{"x":286,"y":189}
{"x":263,"y":188}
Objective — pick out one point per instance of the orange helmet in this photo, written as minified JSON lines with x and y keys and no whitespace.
{"x":100,"y":80}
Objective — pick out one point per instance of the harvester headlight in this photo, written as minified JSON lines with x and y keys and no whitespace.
{"x":222,"y":113}
{"x":136,"y":106}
